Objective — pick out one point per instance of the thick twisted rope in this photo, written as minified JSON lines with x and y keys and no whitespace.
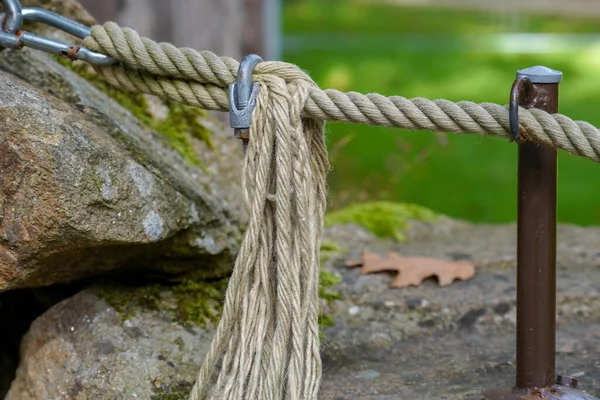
{"x":201,"y":78}
{"x":266,"y":345}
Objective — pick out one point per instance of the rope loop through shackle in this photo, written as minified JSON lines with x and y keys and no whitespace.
{"x":12,"y":35}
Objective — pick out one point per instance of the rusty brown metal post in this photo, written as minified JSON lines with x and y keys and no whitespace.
{"x":536,"y":248}
{"x":536,"y":87}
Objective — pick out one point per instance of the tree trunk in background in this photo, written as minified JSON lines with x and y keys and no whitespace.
{"x":226,"y":27}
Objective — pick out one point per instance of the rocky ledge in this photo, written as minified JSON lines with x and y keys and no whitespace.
{"x":379,"y":343}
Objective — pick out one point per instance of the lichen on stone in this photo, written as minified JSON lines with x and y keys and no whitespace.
{"x":383,"y":219}
{"x":180,"y":124}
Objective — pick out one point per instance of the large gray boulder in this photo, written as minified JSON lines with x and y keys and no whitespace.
{"x":86,"y":187}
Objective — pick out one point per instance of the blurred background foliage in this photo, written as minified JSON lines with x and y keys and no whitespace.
{"x":451,"y":53}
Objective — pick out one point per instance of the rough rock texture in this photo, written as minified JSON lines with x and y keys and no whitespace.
{"x":83,"y":349}
{"x":424,"y":343}
{"x":442,"y":343}
{"x":87,"y":188}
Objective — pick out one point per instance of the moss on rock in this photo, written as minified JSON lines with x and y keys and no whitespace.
{"x":327,"y":281}
{"x":191,"y":301}
{"x":383,"y":219}
{"x":180,"y":125}
{"x":200,"y":301}
{"x":125,"y":300}
{"x":330,"y":249}
{"x":178,"y":391}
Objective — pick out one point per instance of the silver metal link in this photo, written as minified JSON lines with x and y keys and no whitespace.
{"x":57,"y":21}
{"x":13,"y":37}
{"x":14,"y":16}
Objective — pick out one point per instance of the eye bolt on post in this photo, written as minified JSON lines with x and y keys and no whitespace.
{"x":536,"y":87}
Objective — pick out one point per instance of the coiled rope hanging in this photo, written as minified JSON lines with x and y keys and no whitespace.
{"x":266,"y":345}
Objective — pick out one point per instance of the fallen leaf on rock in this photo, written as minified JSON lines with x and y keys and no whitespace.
{"x":354,"y":264}
{"x":412,"y":271}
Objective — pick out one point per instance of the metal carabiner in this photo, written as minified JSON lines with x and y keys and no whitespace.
{"x":18,"y":39}
{"x":242,"y":98}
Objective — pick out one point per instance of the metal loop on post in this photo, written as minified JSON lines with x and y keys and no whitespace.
{"x":520,"y":83}
{"x":242,"y":95}
{"x":526,"y":78}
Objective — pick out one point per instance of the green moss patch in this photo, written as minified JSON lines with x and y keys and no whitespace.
{"x":125,"y":300}
{"x":191,"y":301}
{"x":383,"y":219}
{"x":200,"y":301}
{"x":178,"y":391}
{"x":329,"y":250}
{"x":326,"y":281}
{"x":326,"y":292}
{"x":180,"y":125}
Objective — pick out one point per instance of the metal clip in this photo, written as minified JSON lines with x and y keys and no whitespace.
{"x":520,"y":84}
{"x":13,"y":37}
{"x":242,"y":98}
{"x":526,"y":78}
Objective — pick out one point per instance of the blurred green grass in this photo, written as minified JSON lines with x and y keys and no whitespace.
{"x":373,"y":17}
{"x":466,"y":177}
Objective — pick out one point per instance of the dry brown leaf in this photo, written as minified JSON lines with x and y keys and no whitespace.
{"x":412,"y":271}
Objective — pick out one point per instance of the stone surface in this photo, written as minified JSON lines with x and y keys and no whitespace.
{"x":83,"y":349}
{"x":87,"y":188}
{"x":17,"y":310}
{"x":420,"y":343}
{"x":443,"y":343}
